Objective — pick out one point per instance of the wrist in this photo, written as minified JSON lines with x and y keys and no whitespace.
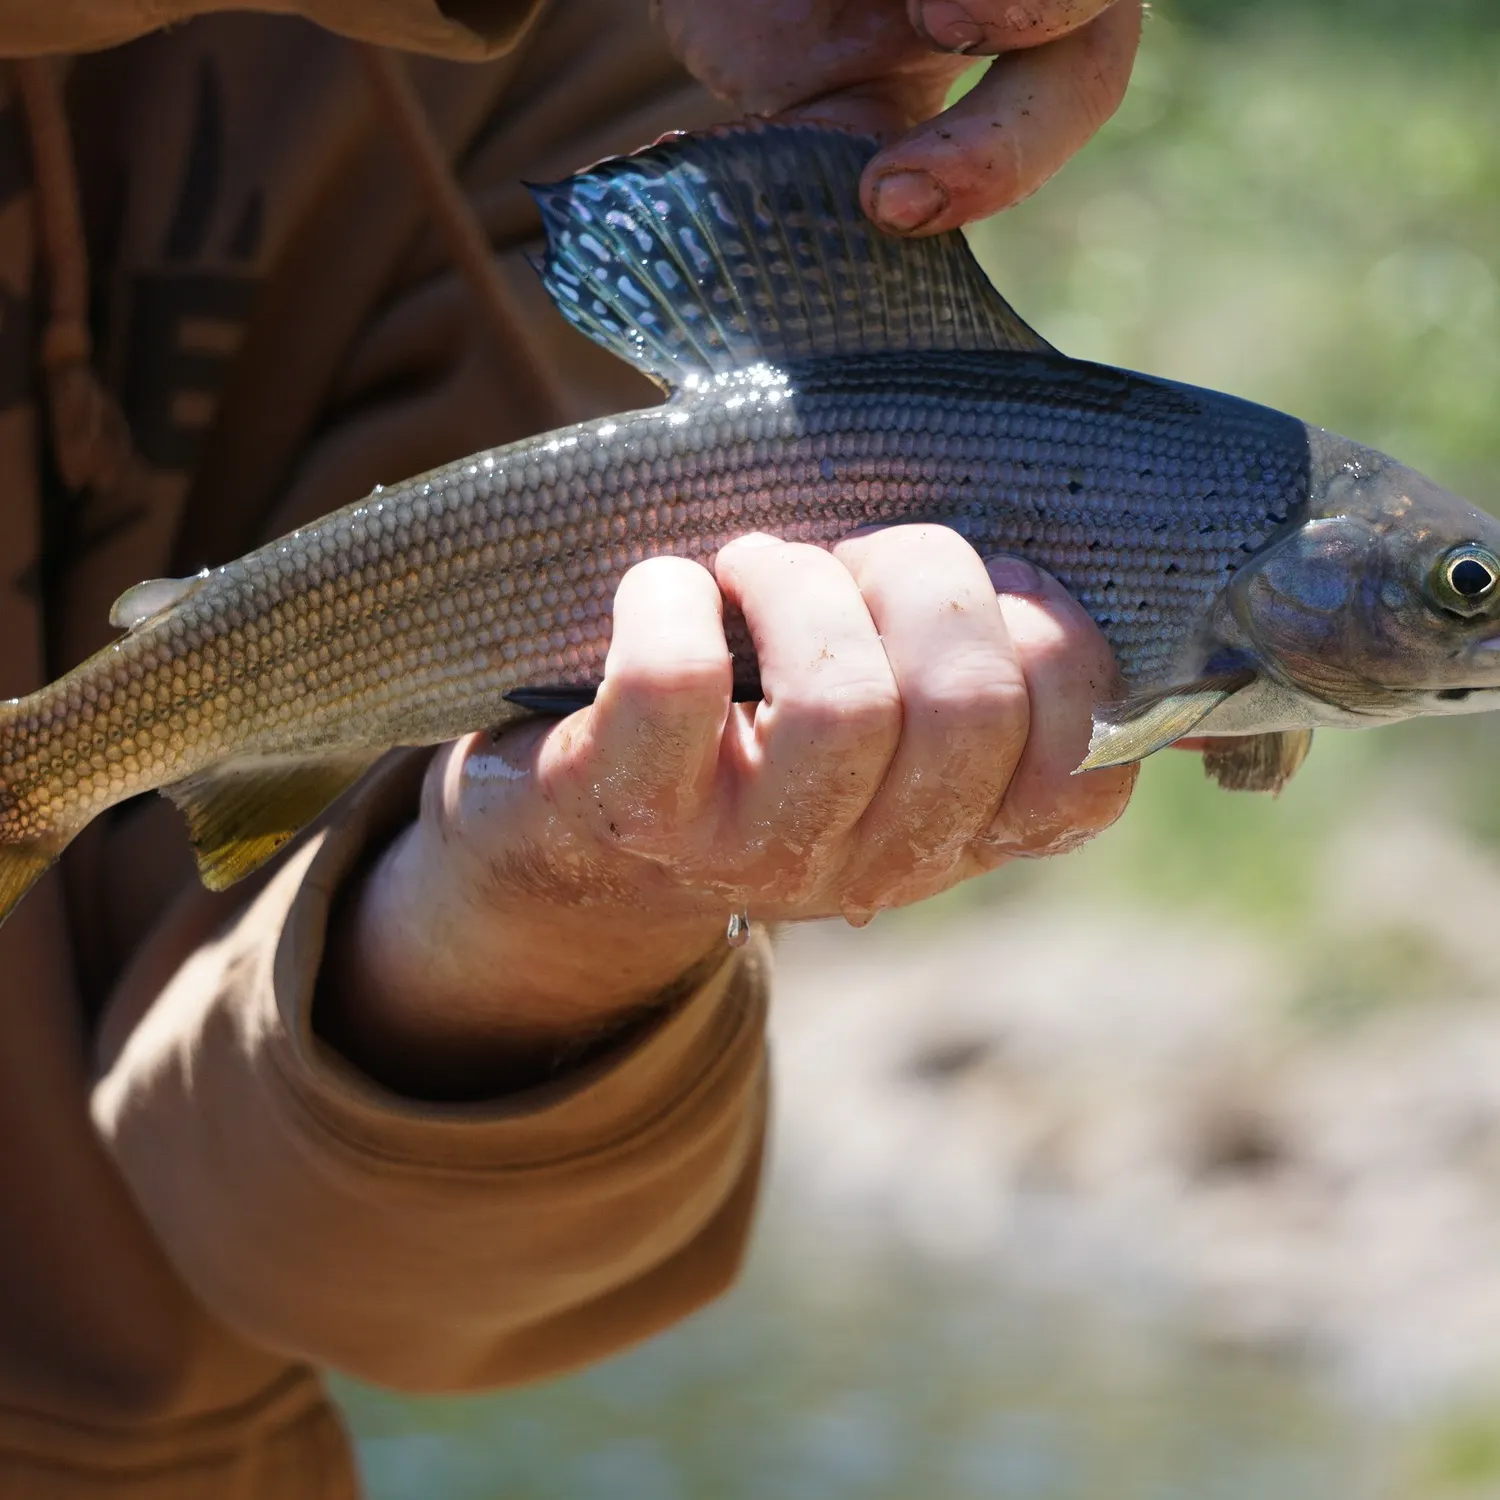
{"x":442,"y":980}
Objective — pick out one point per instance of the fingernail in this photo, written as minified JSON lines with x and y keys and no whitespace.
{"x":949,"y":26}
{"x":755,"y":539}
{"x":907,"y":200}
{"x":1014,"y":575}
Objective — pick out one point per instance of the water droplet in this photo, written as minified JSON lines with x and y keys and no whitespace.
{"x":737,"y":933}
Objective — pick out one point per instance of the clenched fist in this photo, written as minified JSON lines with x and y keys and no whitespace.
{"x":917,"y":727}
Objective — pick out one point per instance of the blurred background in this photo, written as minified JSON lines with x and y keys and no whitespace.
{"x":1172,"y":1167}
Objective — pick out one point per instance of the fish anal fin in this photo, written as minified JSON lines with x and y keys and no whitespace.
{"x":707,"y":253}
{"x":1256,"y":762}
{"x":144,"y":601}
{"x":21,"y":866}
{"x":242,"y":813}
{"x":1141,"y":726}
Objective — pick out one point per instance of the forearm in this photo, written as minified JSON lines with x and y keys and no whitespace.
{"x":445,"y":974}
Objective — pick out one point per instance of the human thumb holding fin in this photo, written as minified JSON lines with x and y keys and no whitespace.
{"x":1059,"y":72}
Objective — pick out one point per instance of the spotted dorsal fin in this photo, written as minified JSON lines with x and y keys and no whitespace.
{"x":708,"y":253}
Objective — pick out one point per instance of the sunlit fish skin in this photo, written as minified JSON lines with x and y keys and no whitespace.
{"x":1254,"y":576}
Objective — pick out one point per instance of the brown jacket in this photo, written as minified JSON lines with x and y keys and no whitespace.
{"x":200,"y":1202}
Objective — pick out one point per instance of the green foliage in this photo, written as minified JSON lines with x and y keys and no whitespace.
{"x":1305,"y":221}
{"x":1462,"y":1456}
{"x":1392,"y":22}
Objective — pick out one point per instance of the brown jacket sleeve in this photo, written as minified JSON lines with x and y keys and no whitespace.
{"x":424,"y":1246}
{"x":466,"y":30}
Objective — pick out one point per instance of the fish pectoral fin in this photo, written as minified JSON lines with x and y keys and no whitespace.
{"x":1141,"y":726}
{"x":241,"y":813}
{"x":144,"y":601}
{"x":1257,"y":762}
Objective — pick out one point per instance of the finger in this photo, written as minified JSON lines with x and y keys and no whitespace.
{"x":964,"y":705}
{"x":1009,"y":134}
{"x":647,"y":751}
{"x":885,"y":106}
{"x":989,"y":26}
{"x":1068,"y":668}
{"x":830,"y":715}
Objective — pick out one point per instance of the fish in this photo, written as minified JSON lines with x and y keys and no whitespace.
{"x":1257,"y":577}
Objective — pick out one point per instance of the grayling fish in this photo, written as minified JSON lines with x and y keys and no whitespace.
{"x":1256,"y":577}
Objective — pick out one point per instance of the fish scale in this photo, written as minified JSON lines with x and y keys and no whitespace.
{"x":409,"y":617}
{"x":822,"y":378}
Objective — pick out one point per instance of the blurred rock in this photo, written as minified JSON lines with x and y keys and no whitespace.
{"x":1133,"y":1103}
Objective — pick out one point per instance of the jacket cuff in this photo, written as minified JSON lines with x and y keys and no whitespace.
{"x":430,"y":1245}
{"x":690,"y":1031}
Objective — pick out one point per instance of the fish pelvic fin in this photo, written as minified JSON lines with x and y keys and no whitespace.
{"x":242,"y":813}
{"x":711,"y":252}
{"x":1141,"y":726}
{"x":1257,"y":762}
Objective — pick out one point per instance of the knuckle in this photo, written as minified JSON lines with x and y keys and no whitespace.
{"x":853,"y":711}
{"x":990,"y":174}
{"x":683,"y":681}
{"x":1082,"y":808}
{"x":802,"y":885}
{"x":1103,"y":64}
{"x":973,"y":690}
{"x":1102,"y":796}
{"x":779,"y":878}
{"x":1058,"y":642}
{"x":652,"y":573}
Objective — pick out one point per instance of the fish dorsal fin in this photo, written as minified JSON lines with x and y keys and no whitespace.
{"x":708,"y":253}
{"x":241,"y":813}
{"x":144,"y":601}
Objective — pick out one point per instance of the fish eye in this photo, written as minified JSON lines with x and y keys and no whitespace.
{"x":1466,"y":579}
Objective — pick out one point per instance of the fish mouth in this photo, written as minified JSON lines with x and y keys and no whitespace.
{"x":1482,"y":660}
{"x":1469,"y":697}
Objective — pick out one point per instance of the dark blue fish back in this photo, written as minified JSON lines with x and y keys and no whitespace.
{"x":747,"y":244}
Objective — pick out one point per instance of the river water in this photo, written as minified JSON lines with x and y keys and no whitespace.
{"x":871,"y":1375}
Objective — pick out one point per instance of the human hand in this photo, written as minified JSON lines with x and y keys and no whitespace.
{"x":915,"y":730}
{"x":885,"y":66}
